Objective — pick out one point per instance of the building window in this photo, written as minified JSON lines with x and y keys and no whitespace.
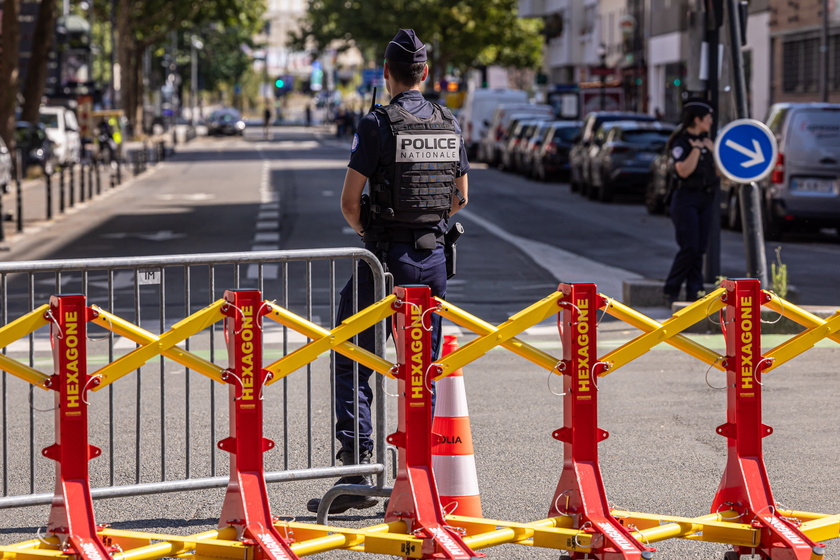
{"x":834,"y":62}
{"x":800,"y":65}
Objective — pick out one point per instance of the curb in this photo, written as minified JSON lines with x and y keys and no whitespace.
{"x":647,"y":292}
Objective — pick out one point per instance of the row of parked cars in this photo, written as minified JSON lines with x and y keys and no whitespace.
{"x":606,"y":154}
{"x":611,"y":154}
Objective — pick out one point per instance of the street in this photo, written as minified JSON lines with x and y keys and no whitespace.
{"x":522,"y":238}
{"x":519,"y":232}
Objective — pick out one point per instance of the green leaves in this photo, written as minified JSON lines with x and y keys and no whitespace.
{"x":462,"y":33}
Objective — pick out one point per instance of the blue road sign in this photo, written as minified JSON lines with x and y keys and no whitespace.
{"x":746,"y":150}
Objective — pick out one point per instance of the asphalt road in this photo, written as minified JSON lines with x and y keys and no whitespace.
{"x":662,"y":456}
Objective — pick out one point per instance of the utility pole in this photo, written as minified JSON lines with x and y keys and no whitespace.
{"x":714,"y":17}
{"x":749,"y":197}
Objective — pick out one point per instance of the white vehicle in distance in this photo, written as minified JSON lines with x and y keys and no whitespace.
{"x":63,"y":131}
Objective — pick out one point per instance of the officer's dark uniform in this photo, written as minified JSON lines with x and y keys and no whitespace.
{"x":412,"y":250}
{"x":692,"y":212}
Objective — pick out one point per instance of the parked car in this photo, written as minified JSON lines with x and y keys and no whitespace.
{"x":661,"y":176}
{"x":5,"y":167}
{"x":63,"y":130}
{"x":516,"y":136}
{"x":477,"y":111}
{"x":551,"y":161}
{"x":519,"y":149}
{"x":35,"y":147}
{"x":579,"y":155}
{"x":225,"y":121}
{"x":587,"y":185}
{"x":529,"y":151}
{"x":622,"y":164}
{"x":490,"y":147}
{"x":803,"y":191}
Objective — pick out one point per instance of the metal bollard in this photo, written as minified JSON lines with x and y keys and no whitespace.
{"x":82,"y":196}
{"x":61,"y":201}
{"x":98,"y":177}
{"x":90,"y":179}
{"x":119,"y":171}
{"x":48,"y":181}
{"x":19,"y":191}
{"x":71,"y":186}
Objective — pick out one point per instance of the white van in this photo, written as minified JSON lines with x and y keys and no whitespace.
{"x":478,"y":109}
{"x":63,"y":131}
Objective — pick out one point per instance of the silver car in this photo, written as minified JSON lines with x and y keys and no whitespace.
{"x":804,"y":188}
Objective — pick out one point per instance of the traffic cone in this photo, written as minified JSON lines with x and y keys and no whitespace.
{"x":453,"y":461}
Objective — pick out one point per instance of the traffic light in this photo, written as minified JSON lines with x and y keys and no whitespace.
{"x":283,"y":85}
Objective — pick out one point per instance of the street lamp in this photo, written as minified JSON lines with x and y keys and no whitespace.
{"x":195,"y":46}
{"x":601,"y":51}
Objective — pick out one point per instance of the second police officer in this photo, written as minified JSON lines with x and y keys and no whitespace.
{"x":692,"y":203}
{"x":411,"y":156}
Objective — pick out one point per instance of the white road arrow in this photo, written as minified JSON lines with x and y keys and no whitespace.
{"x":756,"y":155}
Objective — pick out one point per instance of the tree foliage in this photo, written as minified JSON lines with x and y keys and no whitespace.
{"x":147,"y":23}
{"x":462,"y":33}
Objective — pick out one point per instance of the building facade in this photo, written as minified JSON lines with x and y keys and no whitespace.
{"x":805,"y":61}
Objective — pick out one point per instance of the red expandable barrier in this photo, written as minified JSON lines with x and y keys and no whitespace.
{"x":71,"y":513}
{"x":580,"y":493}
{"x":246,"y":504}
{"x":745,"y":486}
{"x":415,"y":498}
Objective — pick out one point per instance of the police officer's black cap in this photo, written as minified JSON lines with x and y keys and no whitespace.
{"x":406,"y":47}
{"x":697,"y":107}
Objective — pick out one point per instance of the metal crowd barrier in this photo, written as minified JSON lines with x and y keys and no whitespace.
{"x":158,"y":429}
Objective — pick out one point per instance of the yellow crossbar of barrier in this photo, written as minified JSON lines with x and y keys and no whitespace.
{"x":150,"y":546}
{"x":180,"y":331}
{"x":136,"y":334}
{"x":498,"y":336}
{"x":480,"y":327}
{"x":714,"y":527}
{"x":384,"y":538}
{"x":680,"y":321}
{"x":795,"y":313}
{"x":13,"y":332}
{"x":336,"y":339}
{"x":822,"y":529}
{"x":679,"y":341}
{"x":802,"y":342}
{"x":551,"y":532}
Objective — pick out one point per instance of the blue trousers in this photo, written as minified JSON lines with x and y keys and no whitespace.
{"x":692,"y":212}
{"x":408,"y":266}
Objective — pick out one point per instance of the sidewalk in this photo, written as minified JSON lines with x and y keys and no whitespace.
{"x":44,"y":200}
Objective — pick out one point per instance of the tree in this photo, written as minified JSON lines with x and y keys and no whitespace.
{"x":36,"y":74}
{"x":145,"y":23}
{"x":10,"y":44}
{"x":462,"y":33}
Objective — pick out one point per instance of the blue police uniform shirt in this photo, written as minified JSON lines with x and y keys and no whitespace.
{"x":373,"y":142}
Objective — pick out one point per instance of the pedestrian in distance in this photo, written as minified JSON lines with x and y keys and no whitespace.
{"x":411,"y":195}
{"x":266,"y":120}
{"x":692,"y":201}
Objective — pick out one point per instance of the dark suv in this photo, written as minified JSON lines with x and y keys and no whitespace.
{"x":579,"y":156}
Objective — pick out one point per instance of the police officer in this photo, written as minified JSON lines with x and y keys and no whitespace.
{"x":692,"y":204}
{"x":411,"y":154}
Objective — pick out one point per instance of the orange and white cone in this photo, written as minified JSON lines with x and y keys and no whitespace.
{"x":453,"y":460}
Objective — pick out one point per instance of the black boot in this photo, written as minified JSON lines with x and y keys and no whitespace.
{"x":347,"y":501}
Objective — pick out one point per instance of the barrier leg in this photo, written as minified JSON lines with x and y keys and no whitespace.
{"x":580,"y":493}
{"x":246,"y":502}
{"x":745,"y":486}
{"x":415,"y":498}
{"x":71,"y":512}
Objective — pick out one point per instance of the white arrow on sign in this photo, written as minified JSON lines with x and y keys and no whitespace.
{"x":756,"y":155}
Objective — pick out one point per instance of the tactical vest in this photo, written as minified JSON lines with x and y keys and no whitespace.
{"x":416,"y":188}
